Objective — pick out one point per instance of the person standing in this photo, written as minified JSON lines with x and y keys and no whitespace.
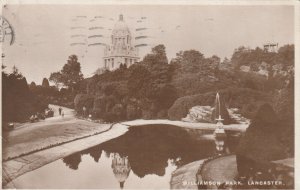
{"x":59,"y":110}
{"x":84,"y":111}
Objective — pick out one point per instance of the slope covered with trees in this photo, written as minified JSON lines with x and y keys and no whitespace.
{"x":156,"y":88}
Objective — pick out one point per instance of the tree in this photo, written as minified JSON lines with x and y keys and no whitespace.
{"x":45,"y":83}
{"x":192,"y":57}
{"x":56,"y":78}
{"x":18,"y":101}
{"x":190,"y":61}
{"x":15,"y":73}
{"x":157,"y":56}
{"x":32,"y":85}
{"x":261,"y":142}
{"x":137,"y":80}
{"x":226,"y":61}
{"x":70,"y":74}
{"x":215,"y":60}
{"x":287,"y":54}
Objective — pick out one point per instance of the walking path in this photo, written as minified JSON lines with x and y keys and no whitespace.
{"x":209,"y":126}
{"x":185,"y":176}
{"x":32,"y":137}
{"x":222,"y":169}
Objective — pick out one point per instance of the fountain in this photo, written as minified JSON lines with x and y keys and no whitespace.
{"x":219,"y":131}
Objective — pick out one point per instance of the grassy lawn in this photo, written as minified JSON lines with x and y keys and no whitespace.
{"x":36,"y":137}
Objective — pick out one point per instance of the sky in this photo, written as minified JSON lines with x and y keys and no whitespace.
{"x":43,"y":32}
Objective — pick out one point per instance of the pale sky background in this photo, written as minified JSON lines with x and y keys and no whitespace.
{"x":43,"y":32}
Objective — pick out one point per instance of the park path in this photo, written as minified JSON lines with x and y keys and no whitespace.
{"x":185,"y":176}
{"x":222,"y":169}
{"x":53,"y":131}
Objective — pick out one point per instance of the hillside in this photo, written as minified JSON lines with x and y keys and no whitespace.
{"x":156,"y":88}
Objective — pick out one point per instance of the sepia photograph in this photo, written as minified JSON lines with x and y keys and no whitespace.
{"x":148,"y":95}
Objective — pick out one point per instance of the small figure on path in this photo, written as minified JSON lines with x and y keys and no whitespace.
{"x":59,"y":110}
{"x":32,"y":118}
{"x":84,"y":111}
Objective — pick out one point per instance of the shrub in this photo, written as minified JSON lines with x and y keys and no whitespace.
{"x":261,"y":142}
{"x":82,"y":100}
{"x":132,"y":112}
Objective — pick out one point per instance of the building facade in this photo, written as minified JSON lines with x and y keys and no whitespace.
{"x":121,"y":50}
{"x":271,"y":47}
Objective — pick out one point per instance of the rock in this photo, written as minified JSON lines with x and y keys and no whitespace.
{"x":237,"y":117}
{"x":199,"y":114}
{"x":245,"y":68}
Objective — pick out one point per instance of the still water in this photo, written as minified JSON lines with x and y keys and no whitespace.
{"x":144,"y":157}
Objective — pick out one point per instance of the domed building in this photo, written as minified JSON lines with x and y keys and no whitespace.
{"x":121,"y":50}
{"x":121,"y":168}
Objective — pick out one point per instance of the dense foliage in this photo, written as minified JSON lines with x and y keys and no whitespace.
{"x":68,"y":82}
{"x":142,"y":90}
{"x":18,"y":102}
{"x":154,"y":88}
{"x":266,"y":129}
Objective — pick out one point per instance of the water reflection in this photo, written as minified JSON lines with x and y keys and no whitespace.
{"x":95,"y":153}
{"x":72,"y":161}
{"x":220,"y":145}
{"x":152,"y":153}
{"x":148,"y":149}
{"x":227,"y":144}
{"x":121,"y":168}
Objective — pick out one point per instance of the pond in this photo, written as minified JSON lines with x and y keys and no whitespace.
{"x":144,"y":157}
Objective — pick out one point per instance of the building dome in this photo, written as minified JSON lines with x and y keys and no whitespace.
{"x":121,"y":49}
{"x":121,"y":28}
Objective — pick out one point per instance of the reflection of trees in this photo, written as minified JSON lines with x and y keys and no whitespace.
{"x":73,"y":161}
{"x":95,"y":153}
{"x":149,"y":147}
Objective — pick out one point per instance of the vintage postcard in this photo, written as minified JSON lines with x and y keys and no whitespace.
{"x":149,"y":95}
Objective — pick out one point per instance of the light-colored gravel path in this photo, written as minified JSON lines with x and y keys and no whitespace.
{"x":211,"y":126}
{"x":185,"y":176}
{"x":222,"y":169}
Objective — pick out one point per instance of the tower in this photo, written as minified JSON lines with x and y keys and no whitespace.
{"x":121,"y":49}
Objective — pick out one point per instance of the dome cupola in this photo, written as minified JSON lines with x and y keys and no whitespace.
{"x":121,"y":49}
{"x":120,"y":28}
